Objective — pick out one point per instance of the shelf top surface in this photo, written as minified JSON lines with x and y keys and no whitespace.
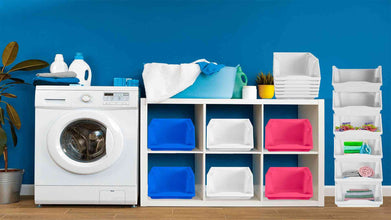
{"x":241,"y":101}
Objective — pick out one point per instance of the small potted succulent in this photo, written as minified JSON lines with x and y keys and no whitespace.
{"x":265,"y":85}
{"x":10,"y":178}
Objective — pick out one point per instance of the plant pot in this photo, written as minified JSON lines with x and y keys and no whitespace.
{"x":10,"y":184}
{"x":266,"y":91}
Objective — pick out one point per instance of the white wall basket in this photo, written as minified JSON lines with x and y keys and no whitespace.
{"x":357,"y":103}
{"x":346,"y":165}
{"x":358,"y":121}
{"x":296,"y":66}
{"x":357,"y":80}
{"x":229,"y":183}
{"x":230,"y":135}
{"x":375,"y":144}
{"x":341,"y":188}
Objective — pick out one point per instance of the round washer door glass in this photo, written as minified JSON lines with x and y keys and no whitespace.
{"x":84,"y":140}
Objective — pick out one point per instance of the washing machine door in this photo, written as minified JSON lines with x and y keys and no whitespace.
{"x":85,"y":142}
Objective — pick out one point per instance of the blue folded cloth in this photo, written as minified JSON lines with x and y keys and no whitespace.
{"x":55,"y":81}
{"x":210,"y":68}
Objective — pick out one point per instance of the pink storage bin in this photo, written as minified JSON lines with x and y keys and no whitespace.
{"x":288,"y":183}
{"x":288,"y":135}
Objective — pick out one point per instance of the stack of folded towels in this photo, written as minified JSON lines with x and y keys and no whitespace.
{"x":359,"y":194}
{"x":60,"y":78}
{"x":352,"y":147}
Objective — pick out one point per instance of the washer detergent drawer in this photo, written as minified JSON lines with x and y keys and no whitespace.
{"x":112,"y":197}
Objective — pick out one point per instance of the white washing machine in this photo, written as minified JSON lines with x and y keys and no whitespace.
{"x":86,"y":145}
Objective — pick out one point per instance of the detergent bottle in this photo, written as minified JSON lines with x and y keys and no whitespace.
{"x":58,"y":65}
{"x":82,"y":70}
{"x":240,"y":81}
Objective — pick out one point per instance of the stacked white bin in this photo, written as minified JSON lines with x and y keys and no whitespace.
{"x":357,"y":99}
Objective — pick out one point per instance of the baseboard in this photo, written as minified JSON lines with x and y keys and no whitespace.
{"x":28,"y":190}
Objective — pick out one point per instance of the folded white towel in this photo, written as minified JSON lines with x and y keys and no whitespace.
{"x":163,"y":80}
{"x":69,"y":74}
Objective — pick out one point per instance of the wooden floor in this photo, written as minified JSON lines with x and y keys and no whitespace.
{"x":26,"y":209}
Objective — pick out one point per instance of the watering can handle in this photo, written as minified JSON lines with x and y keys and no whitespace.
{"x":245,"y":78}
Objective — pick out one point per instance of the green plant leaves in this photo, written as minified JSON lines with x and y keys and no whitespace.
{"x":4,"y":76}
{"x":14,"y":117}
{"x":10,"y":52}
{"x":13,"y":133}
{"x":29,"y":65}
{"x":3,"y":140}
{"x":2,"y":116}
{"x":8,"y":95}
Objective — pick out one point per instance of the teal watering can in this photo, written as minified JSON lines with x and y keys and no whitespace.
{"x":240,"y":81}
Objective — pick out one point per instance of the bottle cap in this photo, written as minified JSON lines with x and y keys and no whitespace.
{"x":58,"y":57}
{"x":79,"y":56}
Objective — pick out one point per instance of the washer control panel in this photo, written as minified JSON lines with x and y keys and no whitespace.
{"x":116,"y":98}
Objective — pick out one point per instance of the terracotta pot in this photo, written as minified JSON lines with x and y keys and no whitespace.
{"x":266,"y":91}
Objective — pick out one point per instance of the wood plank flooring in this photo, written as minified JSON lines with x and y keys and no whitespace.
{"x":26,"y":209}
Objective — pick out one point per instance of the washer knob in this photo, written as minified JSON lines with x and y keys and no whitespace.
{"x":86,"y":98}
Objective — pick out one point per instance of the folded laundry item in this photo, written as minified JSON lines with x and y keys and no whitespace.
{"x":58,"y":75}
{"x":55,"y":81}
{"x":366,"y":171}
{"x":350,"y":173}
{"x":210,"y":68}
{"x":352,"y":148}
{"x":163,"y":80}
{"x":359,"y":194}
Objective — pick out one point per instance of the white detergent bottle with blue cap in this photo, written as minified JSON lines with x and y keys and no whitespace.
{"x":82,"y":70}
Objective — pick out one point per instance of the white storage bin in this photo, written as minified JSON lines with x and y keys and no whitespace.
{"x":230,"y":135}
{"x":342,"y":188}
{"x":295,"y":66}
{"x":230,"y":183}
{"x":351,"y":164}
{"x":357,"y":103}
{"x":358,"y":121}
{"x":375,"y":144}
{"x":292,"y":96}
{"x":357,"y":79}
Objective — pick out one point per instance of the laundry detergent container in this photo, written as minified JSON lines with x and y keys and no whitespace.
{"x":230,"y":134}
{"x":171,"y":134}
{"x":288,"y":183}
{"x":288,"y":135}
{"x":218,"y":85}
{"x":171,"y":183}
{"x":230,"y":183}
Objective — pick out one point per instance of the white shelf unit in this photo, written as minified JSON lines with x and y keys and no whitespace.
{"x":357,"y":99}
{"x":199,"y":110}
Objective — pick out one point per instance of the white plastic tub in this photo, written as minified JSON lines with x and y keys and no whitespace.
{"x":357,"y":103}
{"x":358,"y":121}
{"x":295,"y":66}
{"x":230,"y":135}
{"x":293,"y":96}
{"x":374,"y":143}
{"x":230,"y":183}
{"x":351,"y":164}
{"x":341,"y":188}
{"x":357,"y":79}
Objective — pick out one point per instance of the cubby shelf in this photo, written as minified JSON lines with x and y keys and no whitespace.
{"x":201,"y":158}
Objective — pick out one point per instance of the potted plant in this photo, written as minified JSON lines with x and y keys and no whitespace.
{"x":265,"y":85}
{"x":10,"y":178}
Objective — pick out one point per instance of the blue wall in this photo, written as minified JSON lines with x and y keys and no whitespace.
{"x":117,"y":37}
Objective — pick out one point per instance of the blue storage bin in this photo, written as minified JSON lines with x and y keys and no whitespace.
{"x":219,"y":85}
{"x":171,"y":183}
{"x":126,"y":82}
{"x":171,"y":134}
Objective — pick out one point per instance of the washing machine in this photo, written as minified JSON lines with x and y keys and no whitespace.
{"x":86,"y":145}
